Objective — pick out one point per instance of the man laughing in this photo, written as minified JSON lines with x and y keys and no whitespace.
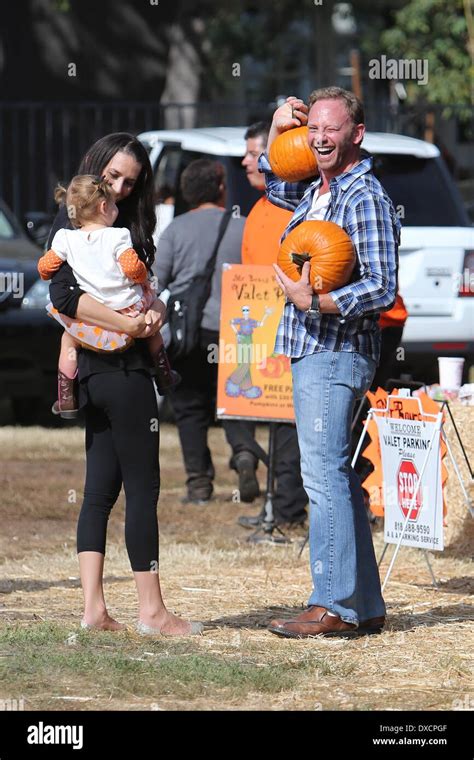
{"x":333,"y":340}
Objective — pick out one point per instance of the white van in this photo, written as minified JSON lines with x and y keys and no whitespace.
{"x":436,"y":275}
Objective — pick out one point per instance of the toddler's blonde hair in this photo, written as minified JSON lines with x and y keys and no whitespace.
{"x":82,"y":197}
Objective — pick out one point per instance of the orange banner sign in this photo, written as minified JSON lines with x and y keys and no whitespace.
{"x":254,"y":383}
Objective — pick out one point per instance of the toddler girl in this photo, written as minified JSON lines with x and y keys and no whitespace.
{"x":107,"y":267}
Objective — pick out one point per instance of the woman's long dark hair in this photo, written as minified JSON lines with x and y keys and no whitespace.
{"x":137,"y":211}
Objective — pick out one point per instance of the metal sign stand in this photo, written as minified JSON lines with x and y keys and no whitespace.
{"x":264,"y":533}
{"x":426,"y":556}
{"x":373,"y":412}
{"x":445,"y":405}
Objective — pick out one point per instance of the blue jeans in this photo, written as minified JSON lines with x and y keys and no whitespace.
{"x":343,"y":565}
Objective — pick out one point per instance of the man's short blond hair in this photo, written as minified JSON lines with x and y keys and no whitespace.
{"x":354,"y":107}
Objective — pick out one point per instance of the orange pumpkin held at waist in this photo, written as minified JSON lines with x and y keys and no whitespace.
{"x":290,"y":156}
{"x":326,"y":246}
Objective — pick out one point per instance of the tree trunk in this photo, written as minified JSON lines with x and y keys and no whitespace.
{"x":182,"y":81}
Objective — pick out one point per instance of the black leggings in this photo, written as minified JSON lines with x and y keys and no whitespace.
{"x":122,"y":443}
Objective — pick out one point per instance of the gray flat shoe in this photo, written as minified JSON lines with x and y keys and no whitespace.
{"x":148,"y":630}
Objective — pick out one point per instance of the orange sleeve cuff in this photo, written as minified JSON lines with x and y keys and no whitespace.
{"x":49,"y":264}
{"x":132,"y":267}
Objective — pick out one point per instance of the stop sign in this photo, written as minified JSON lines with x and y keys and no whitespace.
{"x":407,"y":478}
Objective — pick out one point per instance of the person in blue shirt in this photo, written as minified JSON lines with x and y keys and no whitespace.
{"x":333,"y":340}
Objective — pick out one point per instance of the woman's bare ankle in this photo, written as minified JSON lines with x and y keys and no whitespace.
{"x":101,"y":620}
{"x":154,"y":618}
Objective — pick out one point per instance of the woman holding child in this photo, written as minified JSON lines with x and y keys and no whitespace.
{"x":109,"y":229}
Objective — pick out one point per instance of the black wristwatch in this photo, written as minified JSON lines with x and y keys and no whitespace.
{"x":314,"y":310}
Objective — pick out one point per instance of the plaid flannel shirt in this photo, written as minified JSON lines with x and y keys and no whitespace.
{"x":360,"y":205}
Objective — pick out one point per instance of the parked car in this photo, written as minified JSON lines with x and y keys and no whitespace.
{"x":38,"y":225}
{"x":28,"y":337}
{"x":436,"y":276}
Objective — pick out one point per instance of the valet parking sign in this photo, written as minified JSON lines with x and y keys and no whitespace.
{"x":404,"y":446}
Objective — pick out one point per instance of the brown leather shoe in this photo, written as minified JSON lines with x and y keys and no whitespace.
{"x":372,"y":625}
{"x":314,"y":621}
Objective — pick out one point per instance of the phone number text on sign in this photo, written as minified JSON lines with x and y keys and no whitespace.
{"x":413,"y":532}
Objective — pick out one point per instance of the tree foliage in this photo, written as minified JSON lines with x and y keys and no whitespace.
{"x":206,"y":50}
{"x":440,"y":32}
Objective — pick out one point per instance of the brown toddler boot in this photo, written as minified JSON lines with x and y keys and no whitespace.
{"x":66,"y":405}
{"x":166,"y":377}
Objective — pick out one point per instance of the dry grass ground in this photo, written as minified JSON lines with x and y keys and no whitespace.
{"x":421,"y":661}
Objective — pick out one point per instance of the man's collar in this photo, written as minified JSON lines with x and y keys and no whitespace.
{"x":344,"y":181}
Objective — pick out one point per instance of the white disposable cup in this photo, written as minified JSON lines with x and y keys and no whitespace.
{"x":450,"y":372}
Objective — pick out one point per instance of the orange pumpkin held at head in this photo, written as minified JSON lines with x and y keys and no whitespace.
{"x":326,"y":246}
{"x":290,"y":156}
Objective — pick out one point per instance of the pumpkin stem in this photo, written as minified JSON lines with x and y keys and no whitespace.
{"x":299,"y":259}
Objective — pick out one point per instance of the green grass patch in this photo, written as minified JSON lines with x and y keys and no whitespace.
{"x":39,"y":660}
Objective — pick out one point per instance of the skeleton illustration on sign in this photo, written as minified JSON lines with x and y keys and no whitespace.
{"x":240,"y":381}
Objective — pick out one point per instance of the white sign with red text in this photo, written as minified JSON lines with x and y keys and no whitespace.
{"x":404,"y":446}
